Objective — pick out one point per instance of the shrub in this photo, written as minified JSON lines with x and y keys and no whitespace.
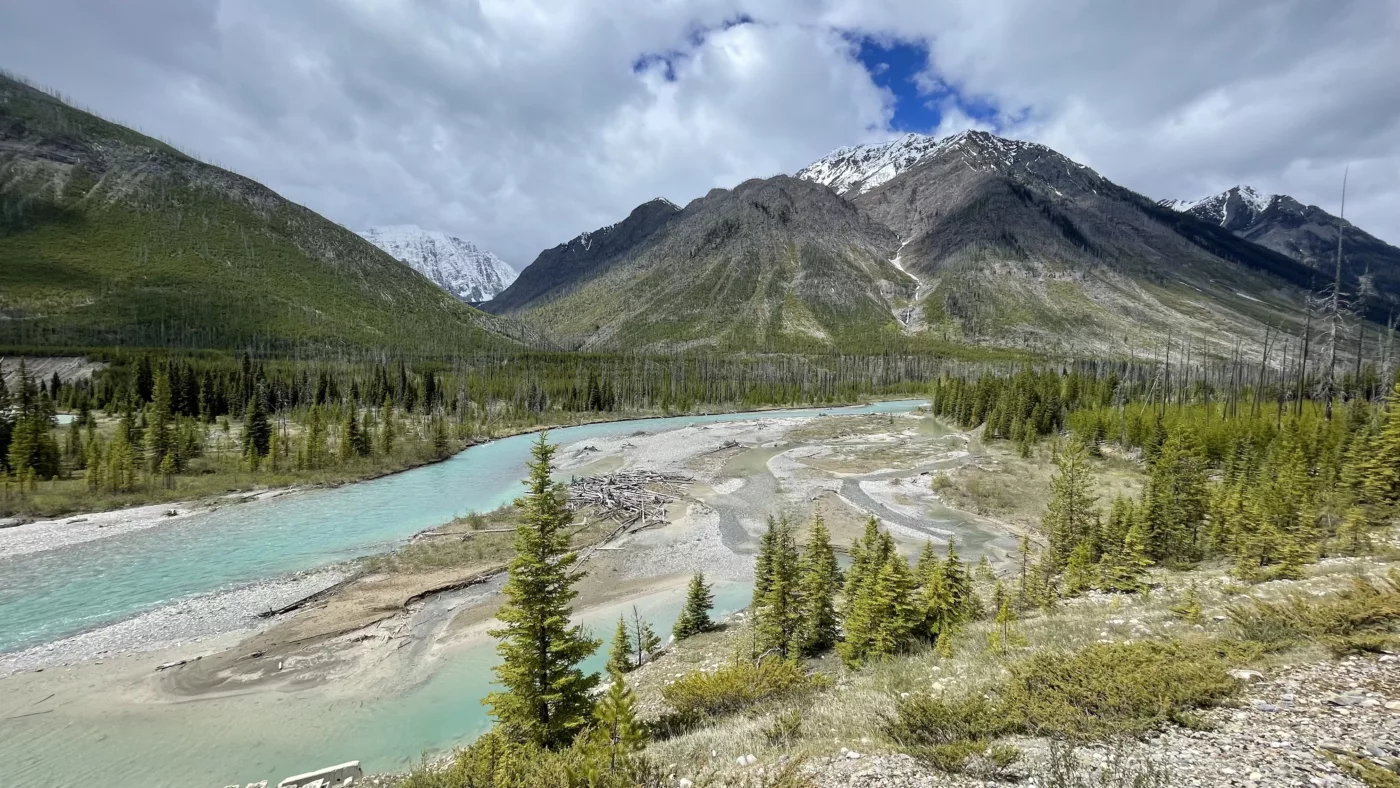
{"x":951,"y":734}
{"x":785,"y":729}
{"x":1122,"y":769}
{"x":737,"y":686}
{"x":1359,"y":618}
{"x":496,"y":761}
{"x":1111,"y":689}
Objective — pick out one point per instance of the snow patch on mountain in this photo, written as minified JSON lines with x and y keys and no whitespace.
{"x":457,"y":266}
{"x":861,"y":168}
{"x":1226,"y":206}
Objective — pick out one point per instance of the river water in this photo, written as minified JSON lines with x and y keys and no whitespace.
{"x":269,"y":735}
{"x":45,"y":596}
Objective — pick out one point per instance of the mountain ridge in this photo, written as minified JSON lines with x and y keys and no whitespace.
{"x":460,"y":267}
{"x":109,"y":237}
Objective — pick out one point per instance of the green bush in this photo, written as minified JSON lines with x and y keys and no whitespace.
{"x":1112,"y":689}
{"x":496,"y":761}
{"x":738,"y":686}
{"x":1101,"y":692}
{"x":1359,"y":618}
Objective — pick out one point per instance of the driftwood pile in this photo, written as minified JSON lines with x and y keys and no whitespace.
{"x":635,"y":499}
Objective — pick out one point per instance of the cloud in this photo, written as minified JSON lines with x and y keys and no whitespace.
{"x":519,"y":123}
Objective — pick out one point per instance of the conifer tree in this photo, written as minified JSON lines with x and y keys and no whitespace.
{"x":1002,"y":636}
{"x":257,"y":430}
{"x":695,"y":616}
{"x":159,"y":441}
{"x":616,"y":726}
{"x":937,"y":612}
{"x":779,"y":611}
{"x":620,"y":652}
{"x":1071,"y":515}
{"x":644,"y":638}
{"x":1188,"y":608}
{"x":965,"y":602}
{"x":350,"y":438}
{"x":387,"y":433}
{"x":546,"y":698}
{"x":763,"y":565}
{"x":894,"y":615}
{"x":820,"y":580}
{"x":1122,"y":570}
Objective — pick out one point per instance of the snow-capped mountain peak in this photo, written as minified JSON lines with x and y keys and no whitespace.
{"x":1236,"y":206}
{"x":861,"y":168}
{"x":457,"y":266}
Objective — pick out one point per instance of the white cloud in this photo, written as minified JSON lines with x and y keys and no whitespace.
{"x":519,"y":123}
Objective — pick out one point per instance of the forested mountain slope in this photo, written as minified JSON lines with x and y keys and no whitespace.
{"x":109,"y":237}
{"x":777,"y":263}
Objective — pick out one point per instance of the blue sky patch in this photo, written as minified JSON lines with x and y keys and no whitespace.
{"x":896,"y":64}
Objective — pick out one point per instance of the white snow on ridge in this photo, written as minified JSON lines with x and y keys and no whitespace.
{"x":1217,"y":207}
{"x":457,"y":266}
{"x":864,"y":167}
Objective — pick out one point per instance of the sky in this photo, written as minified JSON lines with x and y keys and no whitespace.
{"x":518,"y":124}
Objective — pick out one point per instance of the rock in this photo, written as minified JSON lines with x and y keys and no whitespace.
{"x":855,"y":756}
{"x":746,"y":760}
{"x":685,"y":782}
{"x":1247,"y":676}
{"x":1344,"y":700}
{"x":1393,"y":705}
{"x":1334,"y":746}
{"x":1259,"y":705}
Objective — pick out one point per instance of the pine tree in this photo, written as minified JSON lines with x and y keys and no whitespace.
{"x":616,"y":726}
{"x":937,"y":612}
{"x":1188,"y":608}
{"x":695,"y":616}
{"x":257,"y":430}
{"x":763,"y":565}
{"x":816,"y":592}
{"x":1123,"y":569}
{"x":159,"y":442}
{"x":350,"y":438}
{"x":895,"y":616}
{"x":1003,"y":636}
{"x":546,"y":698}
{"x":387,"y":434}
{"x":778,"y":613}
{"x":1080,"y":571}
{"x":644,"y":638}
{"x":1071,"y":515}
{"x":965,"y":602}
{"x":620,"y":653}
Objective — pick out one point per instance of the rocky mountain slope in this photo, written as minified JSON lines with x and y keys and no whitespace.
{"x":1305,"y":233}
{"x":109,"y":237}
{"x":457,"y":266}
{"x":780,"y":263}
{"x":1015,"y":244}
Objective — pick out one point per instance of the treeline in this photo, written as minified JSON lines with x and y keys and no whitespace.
{"x":804,"y":605}
{"x":1262,"y":477}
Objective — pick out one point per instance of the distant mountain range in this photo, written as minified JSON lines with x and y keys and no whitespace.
{"x":1305,"y":233}
{"x":111,"y":238}
{"x":108,"y":237}
{"x":969,"y":238}
{"x":457,"y":266}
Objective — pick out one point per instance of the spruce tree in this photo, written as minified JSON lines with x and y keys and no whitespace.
{"x":896,"y":616}
{"x":1003,"y":636}
{"x":937,"y":612}
{"x":257,"y":430}
{"x":816,"y":592}
{"x":1071,"y":515}
{"x":159,"y":441}
{"x":778,"y":613}
{"x":615,"y":722}
{"x":965,"y":602}
{"x":695,"y":616}
{"x":620,"y":653}
{"x":546,"y":698}
{"x":763,"y":565}
{"x":350,"y":438}
{"x":644,"y":638}
{"x":387,"y":433}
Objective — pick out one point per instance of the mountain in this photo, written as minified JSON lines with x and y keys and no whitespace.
{"x":1305,"y":233}
{"x":109,"y":237}
{"x":774,"y":264}
{"x":1014,"y":244}
{"x":457,"y":266}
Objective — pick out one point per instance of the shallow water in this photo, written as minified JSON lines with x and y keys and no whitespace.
{"x":270,"y":735}
{"x":45,"y":596}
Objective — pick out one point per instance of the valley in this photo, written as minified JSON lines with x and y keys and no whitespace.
{"x":363,"y":642}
